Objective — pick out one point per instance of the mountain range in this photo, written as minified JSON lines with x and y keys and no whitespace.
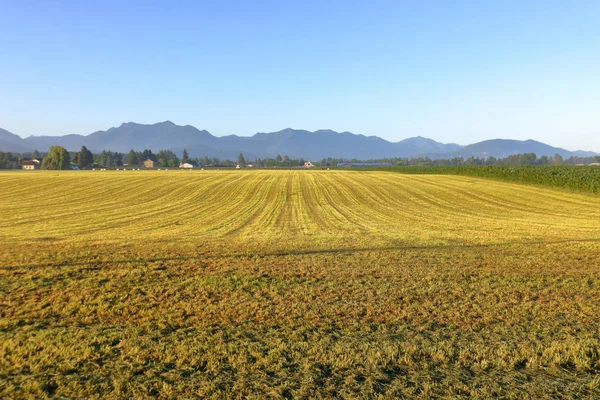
{"x":294,"y":143}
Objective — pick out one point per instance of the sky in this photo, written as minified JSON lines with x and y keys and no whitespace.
{"x":454,"y":71}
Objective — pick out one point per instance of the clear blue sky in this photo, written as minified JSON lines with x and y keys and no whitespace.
{"x":460,"y":71}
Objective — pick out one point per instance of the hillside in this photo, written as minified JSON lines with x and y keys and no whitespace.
{"x":501,"y":148}
{"x":292,"y":142}
{"x":11,"y":142}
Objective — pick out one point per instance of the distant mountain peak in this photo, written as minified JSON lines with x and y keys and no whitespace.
{"x":326,"y":131}
{"x":292,"y":142}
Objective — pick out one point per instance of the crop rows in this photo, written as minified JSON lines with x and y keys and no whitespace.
{"x":298,"y":284}
{"x":575,"y":178}
{"x":286,"y":204}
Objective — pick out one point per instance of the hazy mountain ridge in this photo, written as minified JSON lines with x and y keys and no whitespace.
{"x":501,"y":148}
{"x":292,"y":142}
{"x":12,"y":142}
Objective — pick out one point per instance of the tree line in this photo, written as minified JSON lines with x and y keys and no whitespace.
{"x":513,"y":160}
{"x":59,"y":158}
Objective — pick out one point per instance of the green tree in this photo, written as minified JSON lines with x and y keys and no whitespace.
{"x":118,"y":160}
{"x":9,"y":160}
{"x":241,"y":160}
{"x":132,"y":158}
{"x":148,"y":155}
{"x":166,"y":158}
{"x":57,"y":158}
{"x":491,"y":160}
{"x":86,"y":158}
{"x":185,"y":158}
{"x":558,"y":160}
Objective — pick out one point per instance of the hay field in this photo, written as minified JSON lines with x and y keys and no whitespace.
{"x":295,"y":284}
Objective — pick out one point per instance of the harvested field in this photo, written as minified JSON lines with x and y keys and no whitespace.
{"x":298,"y":284}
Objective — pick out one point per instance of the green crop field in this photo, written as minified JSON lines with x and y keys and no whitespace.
{"x":296,"y":284}
{"x":569,"y":177}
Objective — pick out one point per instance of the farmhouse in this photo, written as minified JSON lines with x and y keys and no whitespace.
{"x":148,"y":164}
{"x":186,"y":165}
{"x":27,"y":164}
{"x":308,"y":164}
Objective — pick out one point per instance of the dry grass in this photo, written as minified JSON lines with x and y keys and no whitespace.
{"x":304,"y":284}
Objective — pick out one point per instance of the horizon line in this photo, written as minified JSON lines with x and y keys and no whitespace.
{"x":290,"y":128}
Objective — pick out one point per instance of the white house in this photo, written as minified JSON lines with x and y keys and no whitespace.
{"x":186,"y":165}
{"x":308,"y":164}
{"x":26,"y":164}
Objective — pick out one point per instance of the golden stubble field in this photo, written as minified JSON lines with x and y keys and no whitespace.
{"x":297,"y":284}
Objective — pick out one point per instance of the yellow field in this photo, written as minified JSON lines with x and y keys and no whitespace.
{"x":295,"y":284}
{"x":302,"y":206}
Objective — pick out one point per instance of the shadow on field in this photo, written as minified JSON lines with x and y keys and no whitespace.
{"x":95,"y":264}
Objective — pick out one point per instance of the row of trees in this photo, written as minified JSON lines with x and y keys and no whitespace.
{"x":59,"y":158}
{"x":162,"y":159}
{"x":282,"y":162}
{"x":9,"y":160}
{"x":513,"y":160}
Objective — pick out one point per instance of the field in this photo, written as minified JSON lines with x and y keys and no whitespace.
{"x":569,"y":177}
{"x":297,"y":284}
